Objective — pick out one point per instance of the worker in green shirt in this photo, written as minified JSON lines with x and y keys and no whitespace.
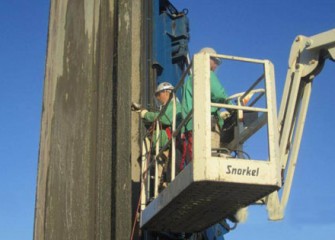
{"x":162,"y":94}
{"x":218,"y":95}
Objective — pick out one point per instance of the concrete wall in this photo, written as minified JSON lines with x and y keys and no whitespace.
{"x":84,"y":170}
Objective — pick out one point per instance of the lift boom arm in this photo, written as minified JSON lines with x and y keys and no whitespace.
{"x":306,"y":60}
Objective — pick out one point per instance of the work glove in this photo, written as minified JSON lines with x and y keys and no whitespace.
{"x":143,"y":112}
{"x":224,"y":115}
{"x":136,"y":107}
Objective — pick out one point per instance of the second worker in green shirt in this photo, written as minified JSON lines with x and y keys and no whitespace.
{"x":218,"y":95}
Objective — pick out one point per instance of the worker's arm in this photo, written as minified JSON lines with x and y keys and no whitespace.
{"x":165,"y":119}
{"x":149,"y":116}
{"x":218,"y":93}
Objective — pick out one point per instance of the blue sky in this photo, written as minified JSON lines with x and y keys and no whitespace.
{"x":23,"y":27}
{"x":261,"y":29}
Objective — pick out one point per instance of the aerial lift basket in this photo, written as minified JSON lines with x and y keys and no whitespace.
{"x":212,"y":188}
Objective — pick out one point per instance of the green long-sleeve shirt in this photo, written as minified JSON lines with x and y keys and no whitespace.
{"x":218,"y":95}
{"x":165,"y":120}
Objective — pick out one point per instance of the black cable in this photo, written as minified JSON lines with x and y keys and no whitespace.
{"x":241,"y":151}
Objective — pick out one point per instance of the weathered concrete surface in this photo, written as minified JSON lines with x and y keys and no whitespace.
{"x":136,"y":84}
{"x":84,"y":170}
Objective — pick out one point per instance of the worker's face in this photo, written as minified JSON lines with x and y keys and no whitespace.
{"x":213,"y":64}
{"x":163,"y":97}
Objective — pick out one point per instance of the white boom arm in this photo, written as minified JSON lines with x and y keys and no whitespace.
{"x":307,"y":58}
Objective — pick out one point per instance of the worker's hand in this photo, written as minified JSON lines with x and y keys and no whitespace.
{"x":143,"y":112}
{"x":224,"y":115}
{"x":136,"y":107}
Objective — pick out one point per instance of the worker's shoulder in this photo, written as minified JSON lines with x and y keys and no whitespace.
{"x":213,"y":75}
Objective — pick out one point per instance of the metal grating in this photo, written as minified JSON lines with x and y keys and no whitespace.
{"x":205,"y":203}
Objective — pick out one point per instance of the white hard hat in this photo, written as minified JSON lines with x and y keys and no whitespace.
{"x":164,"y":86}
{"x":208,"y":50}
{"x":211,"y":51}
